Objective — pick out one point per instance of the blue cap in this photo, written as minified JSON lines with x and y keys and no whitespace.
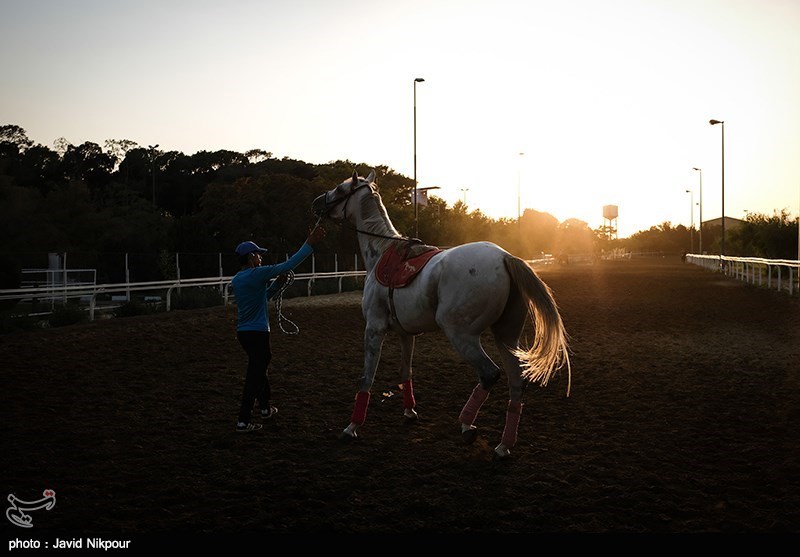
{"x":246,"y":248}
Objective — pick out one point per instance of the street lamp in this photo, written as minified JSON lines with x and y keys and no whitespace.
{"x":519,"y":194}
{"x":713,"y":123}
{"x":464,"y":192}
{"x":416,"y":209}
{"x":153,"y":163}
{"x":691,"y":213}
{"x":700,"y":170}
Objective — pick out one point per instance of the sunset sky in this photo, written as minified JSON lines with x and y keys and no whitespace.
{"x":609,"y":101}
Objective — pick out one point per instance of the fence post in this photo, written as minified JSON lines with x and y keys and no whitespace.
{"x":336,"y":269}
{"x":127,"y":280}
{"x":64,"y":277}
{"x":220,"y":273}
{"x":178,"y":269}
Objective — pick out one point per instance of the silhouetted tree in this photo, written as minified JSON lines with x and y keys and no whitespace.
{"x":15,"y":135}
{"x":87,"y":201}
{"x":89,"y":163}
{"x":773,"y":237}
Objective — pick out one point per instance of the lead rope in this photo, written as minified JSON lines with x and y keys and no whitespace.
{"x":279,"y":306}
{"x":279,"y":299}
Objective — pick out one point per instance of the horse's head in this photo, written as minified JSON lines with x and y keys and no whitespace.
{"x":332,"y":203}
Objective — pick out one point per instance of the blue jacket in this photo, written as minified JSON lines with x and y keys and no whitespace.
{"x":252,"y":290}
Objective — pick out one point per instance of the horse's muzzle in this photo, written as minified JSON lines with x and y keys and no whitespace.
{"x":319,"y":206}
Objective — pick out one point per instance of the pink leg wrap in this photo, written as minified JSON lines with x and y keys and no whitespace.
{"x":513,"y":415}
{"x":360,"y":410}
{"x":408,"y":394}
{"x":476,"y":400}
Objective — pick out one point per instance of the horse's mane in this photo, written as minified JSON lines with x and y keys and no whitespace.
{"x":375,"y":218}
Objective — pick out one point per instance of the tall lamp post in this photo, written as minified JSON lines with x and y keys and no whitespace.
{"x":416,"y":208}
{"x":153,"y":163}
{"x":691,"y":213}
{"x":713,"y":123}
{"x":700,"y":248}
{"x":519,"y":192}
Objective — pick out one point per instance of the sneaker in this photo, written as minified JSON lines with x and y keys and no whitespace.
{"x":266,"y":414}
{"x":242,"y":427}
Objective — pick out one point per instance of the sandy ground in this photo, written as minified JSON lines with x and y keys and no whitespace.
{"x":683,"y":418}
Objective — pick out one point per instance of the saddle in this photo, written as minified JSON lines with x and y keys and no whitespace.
{"x":399,"y":264}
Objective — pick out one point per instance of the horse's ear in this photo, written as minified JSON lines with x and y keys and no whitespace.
{"x":371,"y":177}
{"x":355,"y":177}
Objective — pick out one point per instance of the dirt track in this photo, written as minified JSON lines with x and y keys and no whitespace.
{"x":683,"y":418}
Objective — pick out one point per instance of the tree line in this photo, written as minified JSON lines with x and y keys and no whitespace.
{"x":123,"y":197}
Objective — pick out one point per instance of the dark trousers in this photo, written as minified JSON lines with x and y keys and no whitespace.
{"x":256,"y":384}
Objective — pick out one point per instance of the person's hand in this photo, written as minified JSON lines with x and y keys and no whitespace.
{"x":316,"y":235}
{"x":281,"y":279}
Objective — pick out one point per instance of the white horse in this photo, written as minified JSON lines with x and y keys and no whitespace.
{"x":463,"y":291}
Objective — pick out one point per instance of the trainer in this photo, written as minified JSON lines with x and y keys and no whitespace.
{"x":252,"y":289}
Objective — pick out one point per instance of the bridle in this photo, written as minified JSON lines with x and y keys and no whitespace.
{"x":322,"y":213}
{"x":344,"y":198}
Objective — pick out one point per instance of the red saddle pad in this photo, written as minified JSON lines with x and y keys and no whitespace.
{"x":397,"y":267}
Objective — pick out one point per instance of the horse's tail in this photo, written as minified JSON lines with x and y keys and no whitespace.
{"x":549,"y":351}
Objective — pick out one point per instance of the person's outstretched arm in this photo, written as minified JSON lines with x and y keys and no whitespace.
{"x":316,"y":236}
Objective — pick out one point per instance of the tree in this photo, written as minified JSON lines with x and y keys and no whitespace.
{"x":772,"y":237}
{"x":15,"y":135}
{"x":118,"y":148}
{"x":61,"y":145}
{"x":539,"y":232}
{"x":134,"y":171}
{"x":89,"y":163}
{"x":40,"y":167}
{"x":13,"y":142}
{"x":271,"y":209}
{"x":575,"y":237}
{"x":255,"y":156}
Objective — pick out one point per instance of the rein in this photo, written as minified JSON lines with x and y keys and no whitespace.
{"x":368,"y":233}
{"x":345,"y":222}
{"x":279,"y":305}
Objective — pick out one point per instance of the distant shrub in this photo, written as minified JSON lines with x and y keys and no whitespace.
{"x":13,"y":324}
{"x":194,"y":298}
{"x":67,"y":314}
{"x":135,"y":307}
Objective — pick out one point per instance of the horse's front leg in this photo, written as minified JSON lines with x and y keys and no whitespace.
{"x":373,"y":342}
{"x":406,"y":355}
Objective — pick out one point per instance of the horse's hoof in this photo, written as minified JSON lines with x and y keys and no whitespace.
{"x":501,"y":451}
{"x":469,"y":435}
{"x":410,"y":414}
{"x":347,"y":435}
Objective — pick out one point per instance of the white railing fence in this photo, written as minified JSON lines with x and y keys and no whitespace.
{"x":781,"y":274}
{"x":89,"y":293}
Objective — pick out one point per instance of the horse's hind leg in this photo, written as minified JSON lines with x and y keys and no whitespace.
{"x":469,"y":347}
{"x":516,"y":386}
{"x":506,"y":336}
{"x":406,"y":354}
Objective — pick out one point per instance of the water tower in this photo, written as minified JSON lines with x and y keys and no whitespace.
{"x":610,"y":214}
